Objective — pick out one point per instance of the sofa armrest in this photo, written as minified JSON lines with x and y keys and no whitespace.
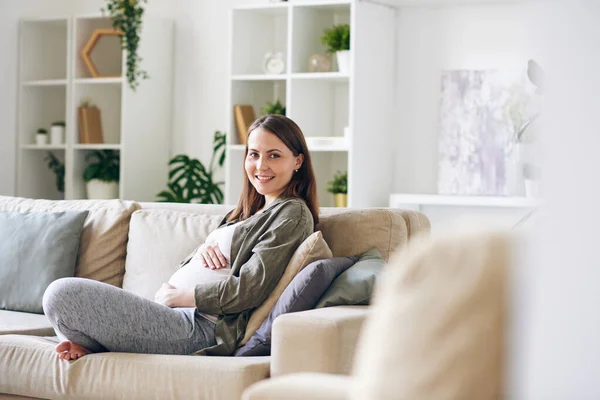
{"x":321,"y":340}
{"x":301,"y":387}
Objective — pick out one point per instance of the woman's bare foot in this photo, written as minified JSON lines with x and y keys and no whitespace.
{"x":70,"y":351}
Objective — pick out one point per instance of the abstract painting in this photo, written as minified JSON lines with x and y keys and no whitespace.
{"x":480,"y":113}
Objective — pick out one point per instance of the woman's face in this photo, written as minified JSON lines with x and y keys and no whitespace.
{"x":270,"y":164}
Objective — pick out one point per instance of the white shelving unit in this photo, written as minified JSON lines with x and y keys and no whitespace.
{"x":322,"y":104}
{"x":54,"y":81}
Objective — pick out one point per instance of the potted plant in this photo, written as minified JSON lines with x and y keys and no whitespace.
{"x":102,"y":174}
{"x":57,"y":133}
{"x":274,"y":108}
{"x":58,"y":168}
{"x":191,"y":182}
{"x":337,"y":40}
{"x":126,"y":16}
{"x":339,"y":187}
{"x":41,"y":137}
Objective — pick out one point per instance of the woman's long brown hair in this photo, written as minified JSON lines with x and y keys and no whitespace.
{"x":303,"y":183}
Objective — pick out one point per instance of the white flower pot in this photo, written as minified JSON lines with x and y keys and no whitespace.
{"x":532,"y":188}
{"x":41,"y":139}
{"x":343,"y":61}
{"x":57,"y":135}
{"x":97,"y":189}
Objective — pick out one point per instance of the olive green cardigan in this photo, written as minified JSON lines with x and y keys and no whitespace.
{"x":261,"y":248}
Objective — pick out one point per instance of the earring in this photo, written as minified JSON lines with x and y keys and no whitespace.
{"x":296,"y":171}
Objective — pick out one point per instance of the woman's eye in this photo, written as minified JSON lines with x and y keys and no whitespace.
{"x":274,"y":155}
{"x":253,"y":155}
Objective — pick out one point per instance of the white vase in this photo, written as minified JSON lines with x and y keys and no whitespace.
{"x":57,"y":135}
{"x":41,"y":139}
{"x":532,"y":188}
{"x":343,"y":61}
{"x":97,"y":189}
{"x":515,"y":182}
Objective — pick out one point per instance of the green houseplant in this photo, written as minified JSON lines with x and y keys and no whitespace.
{"x":337,"y":40}
{"x":126,"y":16}
{"x":191,"y":182}
{"x":339,"y":188}
{"x":274,"y":108}
{"x":102,"y":174}
{"x":58,"y":168}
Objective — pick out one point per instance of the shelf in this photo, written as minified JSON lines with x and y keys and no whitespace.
{"x":98,"y":81}
{"x":326,"y":143}
{"x":417,"y":3}
{"x":466,"y":201}
{"x":273,"y":8}
{"x":102,"y":146}
{"x":323,"y":4}
{"x":44,"y":147}
{"x":46,"y":82}
{"x":329,"y":76}
{"x":258,"y":77}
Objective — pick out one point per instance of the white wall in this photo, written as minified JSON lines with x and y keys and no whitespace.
{"x":200,"y":70}
{"x":556,"y":323}
{"x":433,"y":39}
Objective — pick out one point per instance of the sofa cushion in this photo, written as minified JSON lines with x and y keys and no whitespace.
{"x":353,"y":232}
{"x":312,"y":249}
{"x":355,"y":285}
{"x":104,"y":237}
{"x":440,"y":311}
{"x":31,"y":367}
{"x":20,"y":323}
{"x":158,"y":241}
{"x":301,"y":294}
{"x":36,"y":248}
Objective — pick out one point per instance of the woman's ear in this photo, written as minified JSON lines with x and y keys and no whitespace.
{"x":299,"y":161}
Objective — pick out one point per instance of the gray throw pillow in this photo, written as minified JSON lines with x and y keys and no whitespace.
{"x":36,"y":248}
{"x":355,"y":285}
{"x":301,"y":294}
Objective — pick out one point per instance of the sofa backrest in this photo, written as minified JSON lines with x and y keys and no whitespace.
{"x":103,"y":240}
{"x":163,"y":234}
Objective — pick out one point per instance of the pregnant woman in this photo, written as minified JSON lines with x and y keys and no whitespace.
{"x":233,"y":271}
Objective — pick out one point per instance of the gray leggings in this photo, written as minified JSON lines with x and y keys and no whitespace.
{"x":101,"y":317}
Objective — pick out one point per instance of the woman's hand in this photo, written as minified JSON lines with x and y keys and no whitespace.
{"x":210,"y":254}
{"x":170,"y":296}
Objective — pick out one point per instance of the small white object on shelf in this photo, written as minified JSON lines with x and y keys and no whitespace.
{"x":41,"y":139}
{"x":274,"y":63}
{"x":57,"y":135}
{"x":343,"y":61}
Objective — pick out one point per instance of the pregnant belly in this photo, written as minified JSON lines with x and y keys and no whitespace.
{"x":193,"y":273}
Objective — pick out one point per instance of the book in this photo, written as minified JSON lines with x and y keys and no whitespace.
{"x":90,"y":125}
{"x":244,"y":117}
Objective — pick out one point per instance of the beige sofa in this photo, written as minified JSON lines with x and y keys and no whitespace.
{"x":441,"y":312}
{"x":137,"y":246}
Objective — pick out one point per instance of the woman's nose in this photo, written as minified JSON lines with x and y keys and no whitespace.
{"x":261,"y":164}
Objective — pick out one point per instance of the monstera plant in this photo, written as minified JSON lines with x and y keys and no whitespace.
{"x":191,"y":182}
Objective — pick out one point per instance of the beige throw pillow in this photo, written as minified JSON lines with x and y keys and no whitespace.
{"x":312,"y":249}
{"x":437,"y":329}
{"x":103,"y":243}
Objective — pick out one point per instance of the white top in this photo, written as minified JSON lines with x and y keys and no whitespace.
{"x":194,"y":272}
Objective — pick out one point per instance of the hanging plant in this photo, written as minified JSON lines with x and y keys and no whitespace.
{"x":126,"y":16}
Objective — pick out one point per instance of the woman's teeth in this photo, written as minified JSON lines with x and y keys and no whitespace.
{"x":264,"y":178}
